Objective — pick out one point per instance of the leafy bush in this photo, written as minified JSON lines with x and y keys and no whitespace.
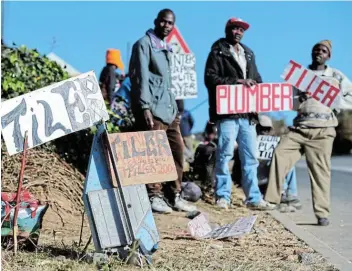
{"x":24,"y":70}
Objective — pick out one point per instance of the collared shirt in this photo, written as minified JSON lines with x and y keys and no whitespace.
{"x":240,"y":57}
{"x":157,"y":42}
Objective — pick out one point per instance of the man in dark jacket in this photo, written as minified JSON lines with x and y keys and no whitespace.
{"x":229,"y":63}
{"x":154,"y":106}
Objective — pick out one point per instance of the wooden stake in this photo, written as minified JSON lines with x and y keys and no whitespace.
{"x":19,"y":190}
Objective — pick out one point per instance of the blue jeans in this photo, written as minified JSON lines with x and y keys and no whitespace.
{"x":245,"y":133}
{"x":290,"y":184}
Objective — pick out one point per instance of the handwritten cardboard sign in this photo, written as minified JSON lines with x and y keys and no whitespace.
{"x":183,"y":74}
{"x":232,"y":99}
{"x":323,"y":90}
{"x":266,"y":145}
{"x":142,"y":157}
{"x":52,"y":112}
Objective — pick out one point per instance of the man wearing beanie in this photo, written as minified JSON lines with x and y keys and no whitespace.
{"x":107,"y":78}
{"x":154,"y":106}
{"x":312,"y":134}
{"x":229,"y":63}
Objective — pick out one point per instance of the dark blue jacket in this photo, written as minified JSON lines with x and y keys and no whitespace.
{"x":186,"y":124}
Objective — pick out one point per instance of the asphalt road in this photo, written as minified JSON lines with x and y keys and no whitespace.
{"x":338,"y":235}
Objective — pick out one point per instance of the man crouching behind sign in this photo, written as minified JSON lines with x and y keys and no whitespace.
{"x":229,"y":63}
{"x":314,"y":133}
{"x":154,"y":105}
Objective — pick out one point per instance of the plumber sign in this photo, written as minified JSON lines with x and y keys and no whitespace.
{"x":268,"y":97}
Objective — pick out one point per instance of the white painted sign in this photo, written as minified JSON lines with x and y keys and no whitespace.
{"x":307,"y":81}
{"x":52,"y":112}
{"x":242,"y":226}
{"x":266,"y":145}
{"x":183,"y":76}
{"x":199,"y":226}
{"x":266,"y":97}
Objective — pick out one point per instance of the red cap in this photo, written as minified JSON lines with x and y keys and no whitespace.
{"x":237,"y":21}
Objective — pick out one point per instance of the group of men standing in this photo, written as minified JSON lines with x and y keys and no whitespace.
{"x":230,"y":62}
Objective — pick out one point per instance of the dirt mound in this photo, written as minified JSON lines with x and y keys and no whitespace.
{"x":50,"y":179}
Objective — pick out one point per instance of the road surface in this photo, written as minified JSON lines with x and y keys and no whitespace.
{"x":338,"y":235}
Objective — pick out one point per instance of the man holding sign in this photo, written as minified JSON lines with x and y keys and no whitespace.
{"x":229,"y":63}
{"x":313,"y":132}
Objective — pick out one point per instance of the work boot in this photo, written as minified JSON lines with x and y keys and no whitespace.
{"x":223,"y":204}
{"x":183,"y":205}
{"x":291,"y":201}
{"x":262,"y":205}
{"x":159,"y":205}
{"x":323,"y":221}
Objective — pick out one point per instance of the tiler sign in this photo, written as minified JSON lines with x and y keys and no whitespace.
{"x":234,"y":99}
{"x":307,"y":81}
{"x":52,"y":112}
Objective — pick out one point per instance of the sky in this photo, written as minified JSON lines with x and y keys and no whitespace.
{"x":80,"y":33}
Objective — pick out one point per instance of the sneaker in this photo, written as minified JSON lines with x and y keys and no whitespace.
{"x":323,"y":222}
{"x":291,"y":201}
{"x":183,"y":205}
{"x":160,"y":206}
{"x":223,"y":203}
{"x":262,"y":205}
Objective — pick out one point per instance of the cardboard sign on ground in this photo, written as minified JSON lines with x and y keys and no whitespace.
{"x":52,"y":112}
{"x":324,"y":90}
{"x":142,"y":158}
{"x":266,"y":145}
{"x":268,"y":97}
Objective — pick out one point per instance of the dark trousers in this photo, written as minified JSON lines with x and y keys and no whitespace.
{"x":167,"y":189}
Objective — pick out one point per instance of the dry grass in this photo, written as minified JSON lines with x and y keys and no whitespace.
{"x":268,"y":247}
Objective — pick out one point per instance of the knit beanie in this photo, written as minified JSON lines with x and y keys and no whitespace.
{"x":326,"y":43}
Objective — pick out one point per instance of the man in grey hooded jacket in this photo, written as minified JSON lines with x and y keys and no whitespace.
{"x":154,"y":105}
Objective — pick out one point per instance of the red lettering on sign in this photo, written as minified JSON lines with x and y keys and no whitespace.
{"x":331,"y":95}
{"x":319,"y":89}
{"x":276,"y":91}
{"x":264,"y":96}
{"x":252,"y":92}
{"x":294,"y":66}
{"x":310,"y":84}
{"x":301,"y":78}
{"x":220,"y":94}
{"x":239,"y":101}
{"x":286,"y":96}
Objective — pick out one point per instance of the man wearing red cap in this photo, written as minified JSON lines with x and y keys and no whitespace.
{"x":229,"y":63}
{"x":313,"y":134}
